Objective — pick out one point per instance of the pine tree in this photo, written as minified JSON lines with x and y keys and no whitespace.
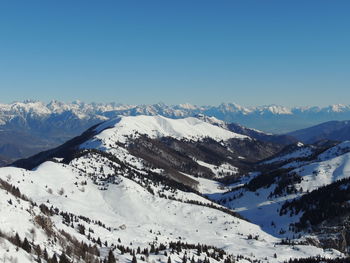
{"x":17,"y":240}
{"x":26,"y":246}
{"x":134,"y":260}
{"x":99,"y":242}
{"x":38,"y":250}
{"x":169,"y":259}
{"x":199,"y":250}
{"x":63,"y":258}
{"x":45,"y":255}
{"x":53,"y":259}
{"x":111,"y":258}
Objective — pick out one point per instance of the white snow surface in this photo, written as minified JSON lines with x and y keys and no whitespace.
{"x":221,"y":170}
{"x":135,"y":215}
{"x":335,"y":151}
{"x":298,"y":153}
{"x":319,"y":174}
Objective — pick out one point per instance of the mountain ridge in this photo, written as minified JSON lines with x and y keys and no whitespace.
{"x":332,"y":130}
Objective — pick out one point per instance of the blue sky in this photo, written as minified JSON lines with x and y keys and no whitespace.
{"x":202,"y":52}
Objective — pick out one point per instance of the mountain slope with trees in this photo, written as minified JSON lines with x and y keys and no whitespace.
{"x":97,"y":198}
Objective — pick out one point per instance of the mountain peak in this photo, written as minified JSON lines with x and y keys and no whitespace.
{"x":119,"y":129}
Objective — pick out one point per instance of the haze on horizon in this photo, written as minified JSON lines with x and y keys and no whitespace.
{"x":290,"y":53}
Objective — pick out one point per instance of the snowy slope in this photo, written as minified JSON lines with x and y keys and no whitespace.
{"x":322,"y":173}
{"x":137,"y":217}
{"x":335,"y":151}
{"x":300,"y":152}
{"x":220,"y":170}
{"x":262,"y":205}
{"x":10,"y":253}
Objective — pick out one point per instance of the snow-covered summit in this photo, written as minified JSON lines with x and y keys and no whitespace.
{"x":212,"y":120}
{"x":158,"y":126}
{"x":274,"y":109}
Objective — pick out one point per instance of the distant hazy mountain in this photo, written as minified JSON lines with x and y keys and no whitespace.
{"x":253,"y":133}
{"x":331,"y":130}
{"x":32,"y":126}
{"x":271,"y":118}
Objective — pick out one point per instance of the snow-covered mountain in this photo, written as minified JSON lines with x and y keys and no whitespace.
{"x":158,"y":126}
{"x":267,"y":118}
{"x":132,"y":189}
{"x":30,"y":127}
{"x":300,"y":192}
{"x":172,"y":143}
{"x":42,"y":126}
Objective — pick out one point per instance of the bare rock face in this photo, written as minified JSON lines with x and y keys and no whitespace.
{"x":335,"y":234}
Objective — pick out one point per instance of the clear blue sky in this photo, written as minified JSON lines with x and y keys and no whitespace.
{"x":286,"y":52}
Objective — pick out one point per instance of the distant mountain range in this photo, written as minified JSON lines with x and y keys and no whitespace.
{"x":32,"y":126}
{"x":270,"y":118}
